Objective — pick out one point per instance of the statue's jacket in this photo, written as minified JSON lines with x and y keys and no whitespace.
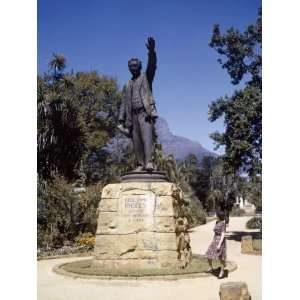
{"x":145,"y":90}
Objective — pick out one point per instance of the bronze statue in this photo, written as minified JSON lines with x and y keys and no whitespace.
{"x":138,"y":112}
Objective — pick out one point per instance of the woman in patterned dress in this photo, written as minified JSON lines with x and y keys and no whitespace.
{"x":217,"y":248}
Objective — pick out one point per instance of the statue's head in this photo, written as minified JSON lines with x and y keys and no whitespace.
{"x":135,"y":66}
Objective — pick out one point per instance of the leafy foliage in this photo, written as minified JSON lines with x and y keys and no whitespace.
{"x":86,"y":240}
{"x":63,"y":213}
{"x":76,"y":117}
{"x":237,"y":212}
{"x":254,"y":192}
{"x":209,"y":185}
{"x":257,"y":245}
{"x":254,"y":223}
{"x":192,"y":208}
{"x":57,"y":64}
{"x":242,"y":51}
{"x":240,"y":56}
{"x":223,"y":187}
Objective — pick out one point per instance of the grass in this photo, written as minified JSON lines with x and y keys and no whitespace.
{"x":198,"y":265}
{"x":257,"y":244}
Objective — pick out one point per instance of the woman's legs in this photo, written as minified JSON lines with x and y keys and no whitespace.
{"x":210,"y":264}
{"x":223,"y":265}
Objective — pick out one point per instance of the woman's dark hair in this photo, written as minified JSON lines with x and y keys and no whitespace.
{"x":221,"y":215}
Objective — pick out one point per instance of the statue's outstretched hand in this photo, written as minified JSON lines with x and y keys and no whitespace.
{"x":150,"y":44}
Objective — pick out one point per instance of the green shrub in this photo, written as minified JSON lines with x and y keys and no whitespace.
{"x":86,"y":240}
{"x":63,"y":213}
{"x":257,"y":244}
{"x":194,"y":210}
{"x":237,"y":212}
{"x":65,"y":250}
{"x":200,"y":218}
{"x":254,"y":223}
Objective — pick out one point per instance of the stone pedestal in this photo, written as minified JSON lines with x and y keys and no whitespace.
{"x":140,"y":226}
{"x":246,"y":244}
{"x":234,"y":291}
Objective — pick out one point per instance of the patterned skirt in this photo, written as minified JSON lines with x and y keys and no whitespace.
{"x":212,"y":251}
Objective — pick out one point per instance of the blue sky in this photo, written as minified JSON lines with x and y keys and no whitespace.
{"x":103,"y":35}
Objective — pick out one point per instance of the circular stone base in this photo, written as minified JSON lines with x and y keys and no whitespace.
{"x":144,"y":176}
{"x":84,"y":269}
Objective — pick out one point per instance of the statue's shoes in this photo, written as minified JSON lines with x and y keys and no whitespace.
{"x":149,"y":167}
{"x":139,"y":169}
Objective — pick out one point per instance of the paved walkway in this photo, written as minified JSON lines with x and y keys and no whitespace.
{"x":56,"y":287}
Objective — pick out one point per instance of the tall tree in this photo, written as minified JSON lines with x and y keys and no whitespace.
{"x":57,"y":64}
{"x":178,"y":174}
{"x":198,"y":176}
{"x":77,"y":115}
{"x":240,"y":56}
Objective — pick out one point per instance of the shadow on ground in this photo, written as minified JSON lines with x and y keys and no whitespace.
{"x":216,"y":272}
{"x":237,"y":235}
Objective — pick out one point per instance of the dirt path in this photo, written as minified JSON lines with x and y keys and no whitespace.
{"x":56,"y":287}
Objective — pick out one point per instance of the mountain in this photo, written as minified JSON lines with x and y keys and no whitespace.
{"x":179,"y":146}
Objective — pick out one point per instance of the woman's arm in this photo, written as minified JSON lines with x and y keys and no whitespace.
{"x":222,"y":236}
{"x":221,"y":240}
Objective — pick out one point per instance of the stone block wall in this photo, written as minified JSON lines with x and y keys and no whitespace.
{"x":234,"y":291}
{"x":140,"y":226}
{"x":247,"y":244}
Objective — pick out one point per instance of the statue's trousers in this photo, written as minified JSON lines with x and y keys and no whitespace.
{"x":142,"y":137}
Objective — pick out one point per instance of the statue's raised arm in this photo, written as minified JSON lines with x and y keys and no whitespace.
{"x":151,"y":66}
